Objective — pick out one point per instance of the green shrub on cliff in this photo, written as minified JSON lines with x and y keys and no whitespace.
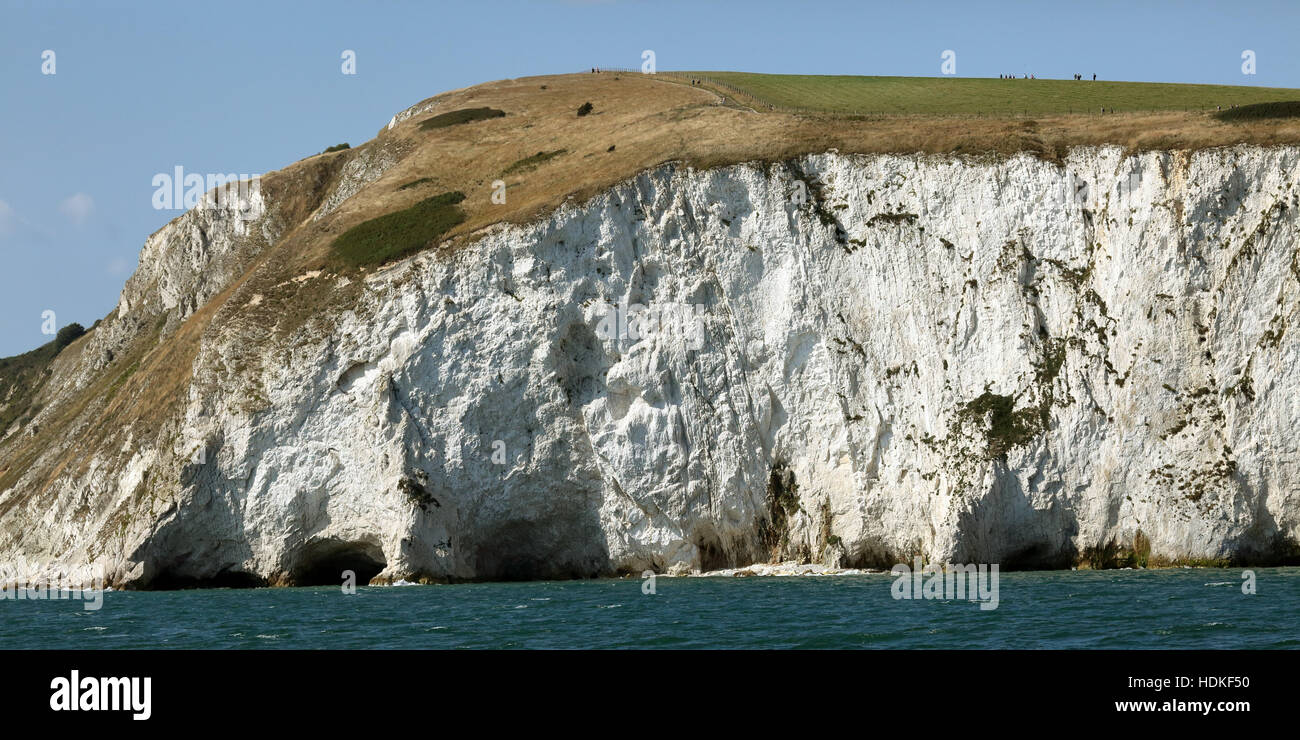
{"x":456,"y":117}
{"x":400,"y":233}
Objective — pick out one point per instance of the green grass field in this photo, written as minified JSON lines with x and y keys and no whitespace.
{"x":958,"y":95}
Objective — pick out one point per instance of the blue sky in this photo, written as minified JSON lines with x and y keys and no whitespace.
{"x":249,"y":87}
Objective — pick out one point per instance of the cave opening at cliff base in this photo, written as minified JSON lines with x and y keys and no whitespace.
{"x":324,"y":563}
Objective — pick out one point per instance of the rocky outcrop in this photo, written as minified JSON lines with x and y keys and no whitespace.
{"x":846,"y":360}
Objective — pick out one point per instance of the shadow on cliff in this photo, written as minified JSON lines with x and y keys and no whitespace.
{"x":1265,"y":543}
{"x":181,"y":552}
{"x":540,"y":520}
{"x":1003,"y":526}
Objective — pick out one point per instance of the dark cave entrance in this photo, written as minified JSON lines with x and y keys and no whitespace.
{"x":171,"y":581}
{"x":323,"y":563}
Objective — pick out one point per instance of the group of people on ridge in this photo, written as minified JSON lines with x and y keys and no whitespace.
{"x":1031,"y":77}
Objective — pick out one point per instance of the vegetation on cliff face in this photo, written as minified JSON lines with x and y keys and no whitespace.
{"x":1008,"y":427}
{"x":783,"y":504}
{"x":22,"y":376}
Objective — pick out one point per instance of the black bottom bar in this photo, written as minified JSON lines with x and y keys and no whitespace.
{"x":938,"y":689}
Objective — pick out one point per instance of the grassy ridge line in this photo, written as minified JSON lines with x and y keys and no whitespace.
{"x":979,"y":96}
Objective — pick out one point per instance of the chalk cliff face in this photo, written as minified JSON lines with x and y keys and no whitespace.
{"x":841,"y":359}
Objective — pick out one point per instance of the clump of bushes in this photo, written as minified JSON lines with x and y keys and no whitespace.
{"x":527,"y":163}
{"x":456,"y":117}
{"x":1141,"y":550}
{"x":416,"y":493}
{"x":1112,"y":555}
{"x":337,"y":148}
{"x":415,"y":183}
{"x":1008,"y":427}
{"x":68,"y":334}
{"x":585,"y":109}
{"x":397,"y":234}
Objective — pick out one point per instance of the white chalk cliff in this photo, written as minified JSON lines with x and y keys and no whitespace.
{"x":979,"y":360}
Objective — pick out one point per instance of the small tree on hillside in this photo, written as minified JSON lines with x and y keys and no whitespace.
{"x":68,"y":334}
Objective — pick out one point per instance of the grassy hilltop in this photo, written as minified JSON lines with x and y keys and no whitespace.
{"x":981,"y":96}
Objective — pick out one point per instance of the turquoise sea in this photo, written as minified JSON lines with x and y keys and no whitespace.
{"x":1119,"y":609}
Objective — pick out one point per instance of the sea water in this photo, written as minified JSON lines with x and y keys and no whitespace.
{"x":1159,"y":608}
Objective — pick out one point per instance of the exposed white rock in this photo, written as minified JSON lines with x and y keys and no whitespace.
{"x":1001,"y":361}
{"x":364,"y":167}
{"x":787,"y":569}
